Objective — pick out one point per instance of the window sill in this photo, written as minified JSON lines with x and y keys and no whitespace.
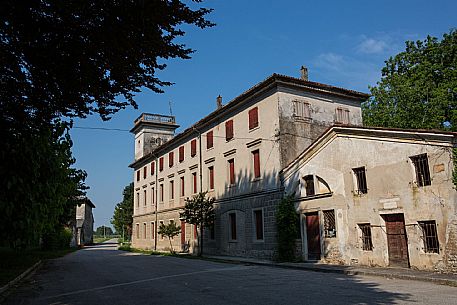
{"x":254,"y":129}
{"x":303,"y":119}
{"x":255,"y":180}
{"x":229,"y":140}
{"x":211,"y":148}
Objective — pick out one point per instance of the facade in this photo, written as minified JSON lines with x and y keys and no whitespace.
{"x":236,"y":154}
{"x":84,"y":225}
{"x":392,"y":203}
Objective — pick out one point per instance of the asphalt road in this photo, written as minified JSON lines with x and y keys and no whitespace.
{"x":103,"y":275}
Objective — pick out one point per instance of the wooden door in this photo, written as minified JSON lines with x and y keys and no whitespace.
{"x":183,"y":233}
{"x":313,"y":236}
{"x":396,"y":240}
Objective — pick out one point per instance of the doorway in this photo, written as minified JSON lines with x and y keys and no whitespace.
{"x":313,"y":236}
{"x":397,"y":243}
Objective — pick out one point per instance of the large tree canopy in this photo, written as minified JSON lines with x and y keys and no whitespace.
{"x":123,"y":213}
{"x":73,"y":58}
{"x":418,"y":88}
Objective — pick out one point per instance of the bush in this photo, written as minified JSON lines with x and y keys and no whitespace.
{"x":58,"y":238}
{"x":286,"y":221}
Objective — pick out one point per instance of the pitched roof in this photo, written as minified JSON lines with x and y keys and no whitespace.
{"x":270,"y":82}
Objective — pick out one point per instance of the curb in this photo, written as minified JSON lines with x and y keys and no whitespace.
{"x":27,"y":272}
{"x":323,"y":269}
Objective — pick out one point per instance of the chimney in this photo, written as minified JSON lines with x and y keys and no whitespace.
{"x":219,"y":101}
{"x":304,"y":73}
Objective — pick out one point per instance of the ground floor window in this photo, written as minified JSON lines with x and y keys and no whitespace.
{"x":137,"y":229}
{"x":429,"y":236}
{"x":367,"y":244}
{"x":258,"y":224}
{"x":329,"y":224}
{"x":232,"y":226}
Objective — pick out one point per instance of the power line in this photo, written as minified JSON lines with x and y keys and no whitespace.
{"x":100,"y":128}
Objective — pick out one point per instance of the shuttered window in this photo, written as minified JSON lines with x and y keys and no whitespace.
{"x":153,"y":168}
{"x":253,"y":118}
{"x":232,"y":225}
{"x":194,"y":182}
{"x":171,"y":158}
{"x":193,"y":148}
{"x":161,"y":164}
{"x":229,"y":130}
{"x":209,"y":140}
{"x":145,"y":172}
{"x":172,"y":189}
{"x":211,"y":177}
{"x":137,"y":175}
{"x":231,"y":169}
{"x":181,"y":153}
{"x":182,"y":187}
{"x":258,"y":221}
{"x":256,"y":160}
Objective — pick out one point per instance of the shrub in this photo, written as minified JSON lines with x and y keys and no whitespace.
{"x":286,"y":221}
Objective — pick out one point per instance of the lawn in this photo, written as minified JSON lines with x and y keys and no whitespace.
{"x":13,"y":263}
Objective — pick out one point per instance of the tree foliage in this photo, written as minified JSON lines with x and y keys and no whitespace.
{"x":123,"y":212}
{"x":104,"y":231}
{"x":286,"y":222}
{"x":418,"y":88}
{"x":199,"y":211}
{"x":169,"y":230}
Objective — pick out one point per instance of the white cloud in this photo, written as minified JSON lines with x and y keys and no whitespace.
{"x":372,"y":46}
{"x":330,"y":61}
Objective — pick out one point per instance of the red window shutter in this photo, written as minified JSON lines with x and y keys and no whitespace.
{"x":152,"y":230}
{"x":253,"y":118}
{"x":211,"y":178}
{"x":193,"y":148}
{"x":209,"y":139}
{"x":153,"y":168}
{"x":171,"y":157}
{"x":182,"y":186}
{"x":183,"y":232}
{"x":137,"y":175}
{"x":145,"y":172}
{"x":229,"y":130}
{"x":195,"y":231}
{"x":161,"y":164}
{"x":231,"y":171}
{"x":181,"y":153}
{"x":194,"y":179}
{"x":256,"y":158}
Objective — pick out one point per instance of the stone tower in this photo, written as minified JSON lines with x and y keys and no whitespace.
{"x":151,"y":131}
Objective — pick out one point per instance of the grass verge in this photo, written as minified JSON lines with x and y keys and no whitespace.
{"x":13,"y":263}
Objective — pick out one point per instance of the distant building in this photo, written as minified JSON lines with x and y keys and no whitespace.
{"x":84,"y":224}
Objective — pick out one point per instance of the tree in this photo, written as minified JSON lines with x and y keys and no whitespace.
{"x":286,"y":222}
{"x":123,"y":212}
{"x":104,"y":231}
{"x":418,"y":88}
{"x":170,"y":230}
{"x":199,"y":211}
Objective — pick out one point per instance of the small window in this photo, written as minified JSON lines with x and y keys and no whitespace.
{"x":342,"y":115}
{"x":152,"y":230}
{"x":209,"y":140}
{"x":309,"y":185}
{"x":422,"y":171}
{"x":253,"y":118}
{"x":161,"y":193}
{"x":145,"y":172}
{"x":194,"y":183}
{"x":231,"y":171}
{"x":301,"y":110}
{"x":182,"y":187}
{"x":137,"y":200}
{"x":193,"y":148}
{"x":153,"y":168}
{"x":232,"y":226}
{"x":160,"y":224}
{"x":195,"y":232}
{"x":181,"y":154}
{"x":161,"y":164}
{"x":144,"y":231}
{"x":256,"y":161}
{"x":329,"y":224}
{"x":229,"y":130}
{"x":172,"y":189}
{"x":211,"y":177}
{"x":145,"y":198}
{"x":171,"y":158}
{"x":137,"y":175}
{"x":429,"y":236}
{"x":361,"y":178}
{"x":153,"y":196}
{"x":367,"y":244}
{"x":137,"y":227}
{"x":258,"y":222}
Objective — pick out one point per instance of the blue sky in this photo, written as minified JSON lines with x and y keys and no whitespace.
{"x":343,"y":43}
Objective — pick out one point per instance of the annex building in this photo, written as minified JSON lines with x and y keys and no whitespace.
{"x":291,"y":135}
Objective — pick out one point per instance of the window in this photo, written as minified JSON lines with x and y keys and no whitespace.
{"x":367,"y":244}
{"x":144,"y":230}
{"x":231,"y":171}
{"x":153,"y":196}
{"x":309,"y":185}
{"x":256,"y":161}
{"x":329,"y":224}
{"x":160,"y":224}
{"x":172,"y":222}
{"x":161,"y":193}
{"x":229,"y":130}
{"x":137,"y":200}
{"x":359,"y":173}
{"x":171,"y":157}
{"x":137,"y":175}
{"x":182,"y":186}
{"x":301,"y":110}
{"x":153,"y":168}
{"x":161,"y":164}
{"x":137,"y":231}
{"x":342,"y":115}
{"x":193,"y":148}
{"x":172,"y":189}
{"x":181,"y":153}
{"x":258,"y":222}
{"x":429,"y":236}
{"x":232,"y":226}
{"x":253,"y":118}
{"x":145,"y":197}
{"x":212,"y":232}
{"x":422,"y":171}
{"x":194,"y":183}
{"x":209,"y":140}
{"x":152,"y":230}
{"x":195,"y":232}
{"x":211,"y":177}
{"x":145,"y":172}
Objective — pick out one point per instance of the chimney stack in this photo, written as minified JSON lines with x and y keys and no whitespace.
{"x":304,"y":73}
{"x":219,"y":101}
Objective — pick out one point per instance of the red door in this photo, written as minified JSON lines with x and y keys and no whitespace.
{"x":313,"y":236}
{"x":396,"y":240}
{"x":183,"y":233}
